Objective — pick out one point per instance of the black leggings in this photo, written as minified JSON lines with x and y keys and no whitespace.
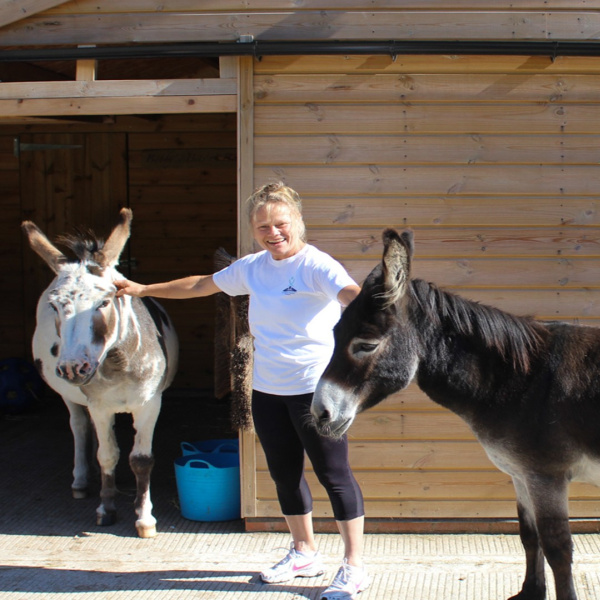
{"x":282,"y":424}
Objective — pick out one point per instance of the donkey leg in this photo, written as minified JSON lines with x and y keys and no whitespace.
{"x":108,"y":457}
{"x":550,"y":504}
{"x":79,"y":421}
{"x":141,"y":461}
{"x":534,"y":585}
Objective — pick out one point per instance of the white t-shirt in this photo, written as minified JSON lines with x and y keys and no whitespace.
{"x":293,"y":308}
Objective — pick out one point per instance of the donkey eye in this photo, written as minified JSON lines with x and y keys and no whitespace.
{"x":361,"y":348}
{"x":104,"y":304}
{"x":364,"y":347}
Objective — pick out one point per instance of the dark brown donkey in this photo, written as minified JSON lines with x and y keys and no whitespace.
{"x":529,"y":390}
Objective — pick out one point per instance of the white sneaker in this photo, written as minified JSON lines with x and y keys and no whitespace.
{"x":295,"y":564}
{"x":347,"y":584}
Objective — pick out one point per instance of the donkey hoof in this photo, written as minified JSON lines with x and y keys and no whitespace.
{"x":106,"y":518}
{"x":145,"y":530}
{"x":79,"y":493}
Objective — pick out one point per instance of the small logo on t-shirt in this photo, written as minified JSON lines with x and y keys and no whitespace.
{"x":290,"y":289}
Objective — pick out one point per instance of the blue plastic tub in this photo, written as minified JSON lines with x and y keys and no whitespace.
{"x":208,"y":485}
{"x":220,"y":445}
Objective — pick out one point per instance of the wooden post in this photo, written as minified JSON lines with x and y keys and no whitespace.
{"x":245,"y":132}
{"x":85,"y":69}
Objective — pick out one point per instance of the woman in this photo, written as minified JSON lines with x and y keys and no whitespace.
{"x":295,"y":296}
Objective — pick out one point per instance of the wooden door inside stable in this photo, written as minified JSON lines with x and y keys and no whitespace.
{"x":177,"y":173}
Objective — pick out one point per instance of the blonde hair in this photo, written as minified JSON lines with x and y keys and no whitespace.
{"x":273,"y":193}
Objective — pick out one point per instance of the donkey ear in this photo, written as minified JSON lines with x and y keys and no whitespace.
{"x":109,"y":255}
{"x":397,"y":253}
{"x":42,"y":246}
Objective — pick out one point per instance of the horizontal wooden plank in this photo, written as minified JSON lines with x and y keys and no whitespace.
{"x":423,"y":454}
{"x":165,"y":169}
{"x":464,"y":64}
{"x":424,"y":87}
{"x":444,"y":210}
{"x":419,"y":118}
{"x":465,"y":242}
{"x":206,"y":139}
{"x":183,"y":122}
{"x":556,"y":276}
{"x":376,"y":425}
{"x":473,"y":180}
{"x":419,"y":485}
{"x":118,"y":106}
{"x":534,"y":273}
{"x":107,"y":6}
{"x":411,"y":485}
{"x":157,"y":202}
{"x":11,"y":11}
{"x":194,"y":228}
{"x":140,"y":27}
{"x":420,"y":509}
{"x":118,"y":89}
{"x":452,"y":149}
{"x":177,"y":166}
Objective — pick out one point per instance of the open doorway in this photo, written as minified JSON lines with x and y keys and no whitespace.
{"x":178,"y":175}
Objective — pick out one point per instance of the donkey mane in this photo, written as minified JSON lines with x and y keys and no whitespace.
{"x":515,"y":338}
{"x":84,"y":244}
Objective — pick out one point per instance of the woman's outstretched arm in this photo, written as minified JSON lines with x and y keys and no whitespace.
{"x":194,"y":286}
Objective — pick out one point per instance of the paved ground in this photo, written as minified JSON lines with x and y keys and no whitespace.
{"x":50,"y":547}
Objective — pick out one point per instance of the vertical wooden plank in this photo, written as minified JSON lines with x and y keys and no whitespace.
{"x":68,"y":180}
{"x":85,"y":70}
{"x":245,"y":148}
{"x":228,"y":66}
{"x":106,"y":179}
{"x":12,"y":340}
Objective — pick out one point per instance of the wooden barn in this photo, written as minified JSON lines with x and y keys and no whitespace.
{"x":474,"y":122}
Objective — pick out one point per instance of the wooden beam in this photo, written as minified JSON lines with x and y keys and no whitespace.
{"x":158,"y":88}
{"x":228,"y":66}
{"x":198,"y":26}
{"x":118,"y":106}
{"x":85,"y":69}
{"x":76,"y":98}
{"x":15,"y":10}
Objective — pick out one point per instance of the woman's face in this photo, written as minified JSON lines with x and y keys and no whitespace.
{"x":275,"y":229}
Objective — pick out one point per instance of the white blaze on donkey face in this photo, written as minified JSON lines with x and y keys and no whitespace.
{"x":85,"y":322}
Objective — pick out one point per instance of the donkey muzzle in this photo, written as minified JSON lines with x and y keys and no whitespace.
{"x":77,"y":372}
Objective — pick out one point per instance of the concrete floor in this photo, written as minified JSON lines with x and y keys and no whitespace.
{"x":51,"y":548}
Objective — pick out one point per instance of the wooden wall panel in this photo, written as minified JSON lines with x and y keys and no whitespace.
{"x":13,"y":341}
{"x":492,"y":161}
{"x":80,"y":22}
{"x":68,"y":180}
{"x":182,"y":187}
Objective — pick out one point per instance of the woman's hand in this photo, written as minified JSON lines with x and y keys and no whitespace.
{"x":131,"y":288}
